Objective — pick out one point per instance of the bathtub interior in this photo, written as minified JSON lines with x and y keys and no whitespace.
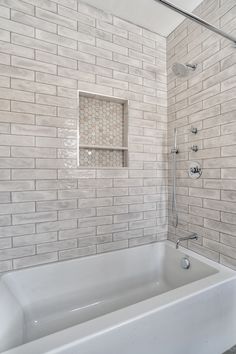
{"x":54,"y":297}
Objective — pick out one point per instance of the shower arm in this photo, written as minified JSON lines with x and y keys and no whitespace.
{"x":197,"y":20}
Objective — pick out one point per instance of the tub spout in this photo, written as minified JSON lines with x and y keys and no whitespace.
{"x":193,"y":236}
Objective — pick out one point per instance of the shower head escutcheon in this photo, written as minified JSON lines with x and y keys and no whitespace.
{"x":183,"y":70}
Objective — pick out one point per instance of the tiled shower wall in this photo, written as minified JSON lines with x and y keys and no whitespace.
{"x":206,"y":99}
{"x":50,"y":209}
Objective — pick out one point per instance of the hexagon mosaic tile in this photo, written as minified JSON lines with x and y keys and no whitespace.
{"x":101,"y":123}
{"x":101,"y":158}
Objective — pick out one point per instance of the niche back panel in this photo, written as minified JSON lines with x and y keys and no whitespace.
{"x":102,"y":126}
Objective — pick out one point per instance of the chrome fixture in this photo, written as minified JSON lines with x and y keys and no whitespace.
{"x":194,"y":148}
{"x":193,"y":236}
{"x":195,"y":170}
{"x":183,"y":69}
{"x":174,"y":151}
{"x":194,"y":130}
{"x":197,"y":19}
{"x":185,"y":262}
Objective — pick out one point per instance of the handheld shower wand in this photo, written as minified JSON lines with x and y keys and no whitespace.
{"x":174,"y":151}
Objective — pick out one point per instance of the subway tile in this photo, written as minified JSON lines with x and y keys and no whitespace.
{"x":137,"y":241}
{"x":112,"y":246}
{"x":10,"y":71}
{"x":5,"y":220}
{"x":26,"y":240}
{"x":55,"y":59}
{"x":94,"y":240}
{"x":32,"y":21}
{"x":30,"y":64}
{"x":33,"y":152}
{"x":77,"y":74}
{"x":112,"y":210}
{"x":55,"y":18}
{"x":56,"y":246}
{"x":5,"y":12}
{"x":105,"y":229}
{"x":94,"y":202}
{"x":207,"y":213}
{"x":30,"y":261}
{"x":16,"y":162}
{"x":76,"y":193}
{"x":55,"y":122}
{"x":56,"y":184}
{"x":44,"y":4}
{"x":56,"y":205}
{"x":33,"y":130}
{"x":80,"y":17}
{"x":25,"y":85}
{"x":5,"y":266}
{"x":55,"y":142}
{"x":12,"y":186}
{"x":74,"y":34}
{"x":220,"y":183}
{"x":112,"y":29}
{"x":204,"y":251}
{"x":4,"y":35}
{"x":227,"y":206}
{"x":128,"y":216}
{"x":16,"y":208}
{"x":55,"y":39}
{"x":38,"y":217}
{"x":4,"y":61}
{"x":94,"y":12}
{"x":16,"y":95}
{"x":16,"y":27}
{"x":142,"y":224}
{"x":128,"y":200}
{"x":95,"y":221}
{"x":33,"y":43}
{"x":94,"y":32}
{"x":56,"y":225}
{"x":77,"y":252}
{"x":33,"y":108}
{"x":25,"y":174}
{"x":82,"y":232}
{"x":76,"y":213}
{"x":110,"y":192}
{"x":55,"y":80}
{"x":33,"y":196}
{"x":228,"y":261}
{"x":9,"y":231}
{"x":16,"y":252}
{"x":119,"y":236}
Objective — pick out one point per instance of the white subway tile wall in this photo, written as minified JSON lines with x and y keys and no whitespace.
{"x":50,"y":209}
{"x":206,"y":99}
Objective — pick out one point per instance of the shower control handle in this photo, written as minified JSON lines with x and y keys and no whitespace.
{"x":195,"y":170}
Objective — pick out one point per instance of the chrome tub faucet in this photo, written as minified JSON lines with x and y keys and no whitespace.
{"x":193,"y":236}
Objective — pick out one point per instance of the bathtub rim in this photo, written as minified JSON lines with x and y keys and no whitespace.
{"x":162,"y":243}
{"x":73,"y":335}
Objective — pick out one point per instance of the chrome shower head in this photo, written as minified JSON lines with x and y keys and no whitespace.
{"x":182,"y":70}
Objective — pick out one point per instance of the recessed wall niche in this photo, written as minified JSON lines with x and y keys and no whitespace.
{"x":102,"y":127}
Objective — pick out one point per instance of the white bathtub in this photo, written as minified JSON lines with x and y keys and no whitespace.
{"x":134,"y":301}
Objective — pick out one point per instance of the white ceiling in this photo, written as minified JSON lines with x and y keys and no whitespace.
{"x":147,"y":13}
